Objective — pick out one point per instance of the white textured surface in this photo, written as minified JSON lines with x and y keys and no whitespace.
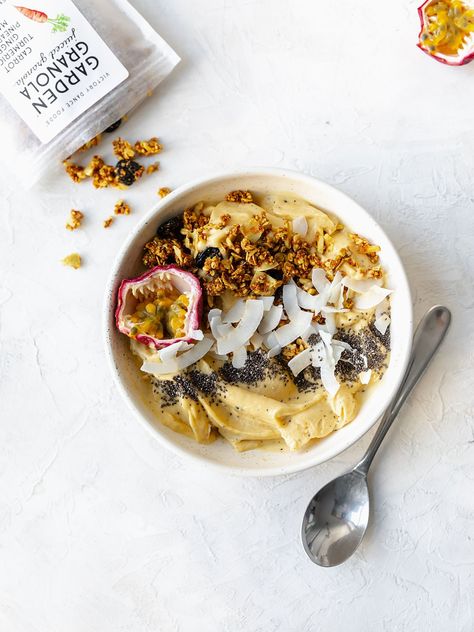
{"x":100,"y":529}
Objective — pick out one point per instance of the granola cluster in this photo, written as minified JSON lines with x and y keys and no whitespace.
{"x":75,"y":219}
{"x":164,"y":191}
{"x":123,"y":149}
{"x":243,"y":197}
{"x":122,"y":208}
{"x":365,"y":248}
{"x":291,"y":350}
{"x":148,"y":147}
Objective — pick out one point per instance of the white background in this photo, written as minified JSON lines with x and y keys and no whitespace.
{"x":100,"y":528}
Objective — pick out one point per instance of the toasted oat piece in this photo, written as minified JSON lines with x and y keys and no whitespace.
{"x":365,"y":248}
{"x":148,"y":147}
{"x":75,"y":219}
{"x":77,"y":173}
{"x":122,"y":208}
{"x":93,"y":142}
{"x":291,"y":350}
{"x":73,"y":260}
{"x":123,"y":149}
{"x":152,"y":168}
{"x":164,"y":191}
{"x":243,"y":197}
{"x":102,"y":175}
{"x":108,"y":222}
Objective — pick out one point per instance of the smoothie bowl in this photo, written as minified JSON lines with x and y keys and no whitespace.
{"x":258,"y":321}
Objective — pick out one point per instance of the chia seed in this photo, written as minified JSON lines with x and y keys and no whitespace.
{"x":251,"y":373}
{"x":369,"y":352}
{"x":205,"y":383}
{"x":384,"y":338}
{"x":171,"y":391}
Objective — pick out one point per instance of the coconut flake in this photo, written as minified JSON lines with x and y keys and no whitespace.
{"x":196,"y":334}
{"x":274,"y":351}
{"x":290,"y":301}
{"x":180,"y":362}
{"x":214,"y":313}
{"x":267,"y":302}
{"x":330,"y":324}
{"x":310,"y":331}
{"x":239,"y":358}
{"x":328,"y":377}
{"x":364,"y":376}
{"x":256,"y":340}
{"x":247,"y":326}
{"x":335,"y":289}
{"x":300,"y":226}
{"x":235,"y":313}
{"x":270,"y":340}
{"x":382,"y":317}
{"x":271,"y":319}
{"x":293,"y":330}
{"x":360,"y":285}
{"x":300,"y":362}
{"x":170,"y":352}
{"x":216,"y":356}
{"x":319,"y":280}
{"x":306,"y":300}
{"x":382,"y":323}
{"x":371,"y":298}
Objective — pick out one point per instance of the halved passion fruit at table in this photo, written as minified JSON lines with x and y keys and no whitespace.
{"x":447,"y":30}
{"x":161,"y":307}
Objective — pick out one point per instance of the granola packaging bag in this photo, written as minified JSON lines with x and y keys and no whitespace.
{"x":69,"y":69}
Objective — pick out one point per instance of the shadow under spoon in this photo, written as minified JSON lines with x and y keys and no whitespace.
{"x":337,"y":516}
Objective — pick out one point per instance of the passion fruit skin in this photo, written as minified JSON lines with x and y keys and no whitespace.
{"x":460,"y":59}
{"x":194,"y":308}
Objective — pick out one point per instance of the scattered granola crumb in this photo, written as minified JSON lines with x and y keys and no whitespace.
{"x":153,"y":167}
{"x":73,"y":261}
{"x":93,"y":142}
{"x":122,"y":208}
{"x":148,"y":147}
{"x":75,"y":219}
{"x":75,"y":172}
{"x":123,"y":149}
{"x":102,"y":175}
{"x":108,"y":222}
{"x":164,"y":191}
{"x":243,"y":197}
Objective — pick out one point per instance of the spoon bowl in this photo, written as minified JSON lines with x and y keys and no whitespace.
{"x":336,"y":519}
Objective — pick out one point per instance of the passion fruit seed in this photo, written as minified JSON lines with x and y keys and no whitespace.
{"x":205,"y":254}
{"x":171,"y":228}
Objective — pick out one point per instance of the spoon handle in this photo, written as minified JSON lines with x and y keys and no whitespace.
{"x":428,"y":337}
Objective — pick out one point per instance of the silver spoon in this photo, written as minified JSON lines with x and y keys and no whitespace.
{"x":337,"y":516}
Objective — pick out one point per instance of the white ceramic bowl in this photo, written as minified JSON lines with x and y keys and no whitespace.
{"x":136,"y":392}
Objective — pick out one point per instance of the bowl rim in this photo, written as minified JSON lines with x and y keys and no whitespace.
{"x":108,"y":308}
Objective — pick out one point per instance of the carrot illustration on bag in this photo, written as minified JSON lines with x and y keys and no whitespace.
{"x":60,"y":22}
